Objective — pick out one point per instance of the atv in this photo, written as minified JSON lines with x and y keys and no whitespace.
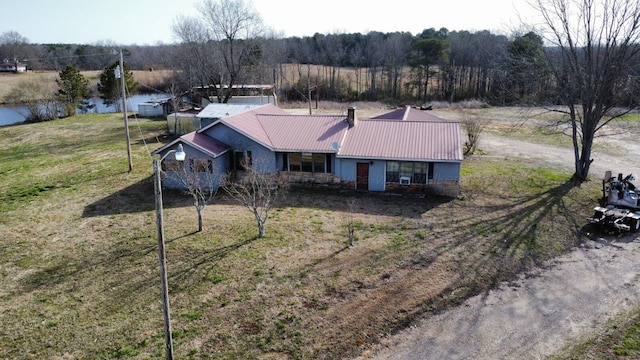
{"x":619,"y":209}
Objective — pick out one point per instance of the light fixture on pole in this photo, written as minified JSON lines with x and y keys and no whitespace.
{"x":180,"y":156}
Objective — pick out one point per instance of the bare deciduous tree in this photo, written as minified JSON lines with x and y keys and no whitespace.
{"x":257,"y":191}
{"x":473,"y":126}
{"x":594,"y":45}
{"x":200,"y":180}
{"x":233,"y":27}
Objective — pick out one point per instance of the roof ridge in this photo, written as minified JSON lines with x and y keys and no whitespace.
{"x":266,"y":133}
{"x":407,"y":110}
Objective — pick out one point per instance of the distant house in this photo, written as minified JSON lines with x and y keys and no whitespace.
{"x":405,"y":151}
{"x":12,"y":66}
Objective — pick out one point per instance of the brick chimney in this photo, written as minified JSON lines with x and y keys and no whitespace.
{"x":352,"y":119}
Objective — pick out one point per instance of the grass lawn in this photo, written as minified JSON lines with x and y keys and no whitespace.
{"x":79,"y":268}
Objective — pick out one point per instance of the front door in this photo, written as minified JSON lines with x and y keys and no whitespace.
{"x":362,"y":176}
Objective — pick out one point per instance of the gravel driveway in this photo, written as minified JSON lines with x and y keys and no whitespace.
{"x":537,"y":315}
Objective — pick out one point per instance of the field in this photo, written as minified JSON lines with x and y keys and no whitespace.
{"x":80,"y":271}
{"x":149,"y":80}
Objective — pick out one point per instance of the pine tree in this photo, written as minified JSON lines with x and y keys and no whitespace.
{"x":110,"y":88}
{"x":74,"y":91}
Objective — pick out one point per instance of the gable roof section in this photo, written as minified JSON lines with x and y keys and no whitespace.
{"x":204,"y":143}
{"x":303,"y":132}
{"x":279,"y":130}
{"x":404,"y":140}
{"x":408,"y":114}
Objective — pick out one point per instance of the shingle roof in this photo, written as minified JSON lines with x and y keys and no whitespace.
{"x":404,"y":140}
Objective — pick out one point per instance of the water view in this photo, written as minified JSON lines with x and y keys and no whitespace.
{"x":16,"y":114}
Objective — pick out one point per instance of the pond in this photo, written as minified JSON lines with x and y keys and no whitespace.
{"x":16,"y":114}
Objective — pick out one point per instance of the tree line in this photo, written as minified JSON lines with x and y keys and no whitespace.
{"x":435,"y":65}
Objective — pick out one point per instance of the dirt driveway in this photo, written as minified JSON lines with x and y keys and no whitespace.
{"x":536,"y":316}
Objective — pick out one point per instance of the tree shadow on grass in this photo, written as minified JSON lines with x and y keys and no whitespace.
{"x":484,"y":248}
{"x":135,"y":198}
{"x":183,"y":275}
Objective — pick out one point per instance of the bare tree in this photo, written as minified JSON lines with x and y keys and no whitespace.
{"x":257,"y":191}
{"x":13,"y":47}
{"x":199,"y":179}
{"x":473,"y":126}
{"x":595,"y":43}
{"x":233,"y":27}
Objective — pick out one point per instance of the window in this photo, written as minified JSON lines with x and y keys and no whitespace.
{"x":406,"y":169}
{"x":242,"y":159}
{"x":393,"y":171}
{"x":201,"y":165}
{"x":419,"y":173}
{"x":307,"y":162}
{"x":318,"y":163}
{"x":295,"y":162}
{"x":172,"y":165}
{"x":413,"y":172}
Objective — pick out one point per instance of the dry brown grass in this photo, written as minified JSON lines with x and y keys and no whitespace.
{"x":148,"y":80}
{"x":79,"y":265}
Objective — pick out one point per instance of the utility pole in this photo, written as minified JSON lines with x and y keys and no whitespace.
{"x":124,"y":110}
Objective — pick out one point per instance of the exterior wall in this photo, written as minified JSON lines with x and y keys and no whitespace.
{"x":346,"y":170}
{"x":446,"y":171}
{"x":220,"y":168}
{"x":155,"y":109}
{"x":445,"y":182}
{"x":262,"y":157}
{"x":446,"y":177}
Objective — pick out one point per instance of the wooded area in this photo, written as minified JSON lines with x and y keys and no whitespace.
{"x":341,"y":67}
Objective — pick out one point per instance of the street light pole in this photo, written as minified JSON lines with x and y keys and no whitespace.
{"x":124,"y":110}
{"x":180,"y":156}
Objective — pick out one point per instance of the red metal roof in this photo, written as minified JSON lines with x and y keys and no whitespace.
{"x":418,"y":136}
{"x":409,"y":114}
{"x":280,"y":131}
{"x":404,"y":140}
{"x":303,"y":132}
{"x":205,"y":143}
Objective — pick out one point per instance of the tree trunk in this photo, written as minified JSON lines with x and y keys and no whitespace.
{"x":200,"y":225}
{"x":260,"y":229}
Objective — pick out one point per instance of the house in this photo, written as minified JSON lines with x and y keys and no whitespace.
{"x":402,"y":151}
{"x":12,"y":66}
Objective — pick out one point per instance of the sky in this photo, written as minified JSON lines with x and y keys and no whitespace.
{"x":148,"y":22}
